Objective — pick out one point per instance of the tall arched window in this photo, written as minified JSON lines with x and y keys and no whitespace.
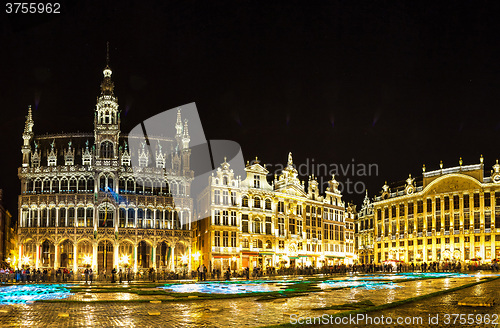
{"x":72,"y":185}
{"x":107,"y":149}
{"x":82,"y":185}
{"x":64,"y":185}
{"x":55,"y":186}
{"x":140,"y":218}
{"x":90,"y":184}
{"x":106,"y":215}
{"x":102,"y":183}
{"x":123,"y":217}
{"x":90,"y":217}
{"x":46,"y":186}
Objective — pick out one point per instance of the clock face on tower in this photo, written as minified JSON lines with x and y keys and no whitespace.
{"x":409,"y":191}
{"x":497,"y":178}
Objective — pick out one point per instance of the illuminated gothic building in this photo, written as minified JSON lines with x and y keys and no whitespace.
{"x":251,"y":223}
{"x":82,"y":204}
{"x":450,"y":214}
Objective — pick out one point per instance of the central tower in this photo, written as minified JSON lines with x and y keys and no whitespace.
{"x":107,"y":119}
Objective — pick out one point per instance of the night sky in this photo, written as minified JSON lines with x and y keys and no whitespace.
{"x":392,"y":83}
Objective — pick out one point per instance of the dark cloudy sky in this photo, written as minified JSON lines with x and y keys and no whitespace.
{"x":393,"y":83}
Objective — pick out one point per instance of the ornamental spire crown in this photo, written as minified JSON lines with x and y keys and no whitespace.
{"x":107,"y":85}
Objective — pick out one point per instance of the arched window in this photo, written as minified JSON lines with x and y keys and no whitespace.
{"x":244,"y":201}
{"x":224,"y":181}
{"x":140,"y":218}
{"x":80,"y":214}
{"x":149,"y":219}
{"x":121,"y":185}
{"x":29,"y":186}
{"x":38,"y":186}
{"x":106,"y":215}
{"x":90,"y":217}
{"x":107,"y":149}
{"x":102,"y":183}
{"x":64,"y":185}
{"x":46,"y":186}
{"x":71,"y":217}
{"x":139,"y":186}
{"x":268,"y":204}
{"x":90,"y":185}
{"x":148,"y":187}
{"x":131,"y":218}
{"x":72,"y":185}
{"x":123,"y":217}
{"x":269,"y":245}
{"x":111,"y":182}
{"x":55,"y":186}
{"x":82,"y":185}
{"x":256,"y":202}
{"x":52,"y":217}
{"x":62,"y":217}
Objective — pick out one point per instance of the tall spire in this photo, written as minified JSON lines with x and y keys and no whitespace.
{"x":27,"y":136}
{"x":107,"y":84}
{"x":107,"y":54}
{"x":178,"y":124}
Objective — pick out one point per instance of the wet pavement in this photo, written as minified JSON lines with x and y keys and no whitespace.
{"x":247,"y":311}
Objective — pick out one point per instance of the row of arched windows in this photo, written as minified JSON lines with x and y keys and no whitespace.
{"x":60,"y":185}
{"x":150,"y":187}
{"x":106,"y":183}
{"x":84,"y":217}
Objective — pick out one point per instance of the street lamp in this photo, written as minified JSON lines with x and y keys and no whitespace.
{"x":26,"y":260}
{"x":87,"y":260}
{"x":124,"y":260}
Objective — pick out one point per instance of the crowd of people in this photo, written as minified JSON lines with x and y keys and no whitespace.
{"x":202,"y":273}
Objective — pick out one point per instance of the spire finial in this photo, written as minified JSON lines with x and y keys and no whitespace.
{"x":107,"y":54}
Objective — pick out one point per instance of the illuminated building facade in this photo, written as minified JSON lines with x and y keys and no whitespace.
{"x":364,"y":232}
{"x":251,"y":223}
{"x":83,"y":204}
{"x":450,"y":214}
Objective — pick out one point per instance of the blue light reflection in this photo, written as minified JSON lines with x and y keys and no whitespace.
{"x":25,"y":293}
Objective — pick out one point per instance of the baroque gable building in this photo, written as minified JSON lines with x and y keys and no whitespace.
{"x":83,"y":203}
{"x":252,"y":223}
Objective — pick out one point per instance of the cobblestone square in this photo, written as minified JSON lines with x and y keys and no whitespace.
{"x":94,"y":306}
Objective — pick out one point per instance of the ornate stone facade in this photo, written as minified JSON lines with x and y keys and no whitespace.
{"x":83,"y":204}
{"x":251,"y":223}
{"x":450,"y":214}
